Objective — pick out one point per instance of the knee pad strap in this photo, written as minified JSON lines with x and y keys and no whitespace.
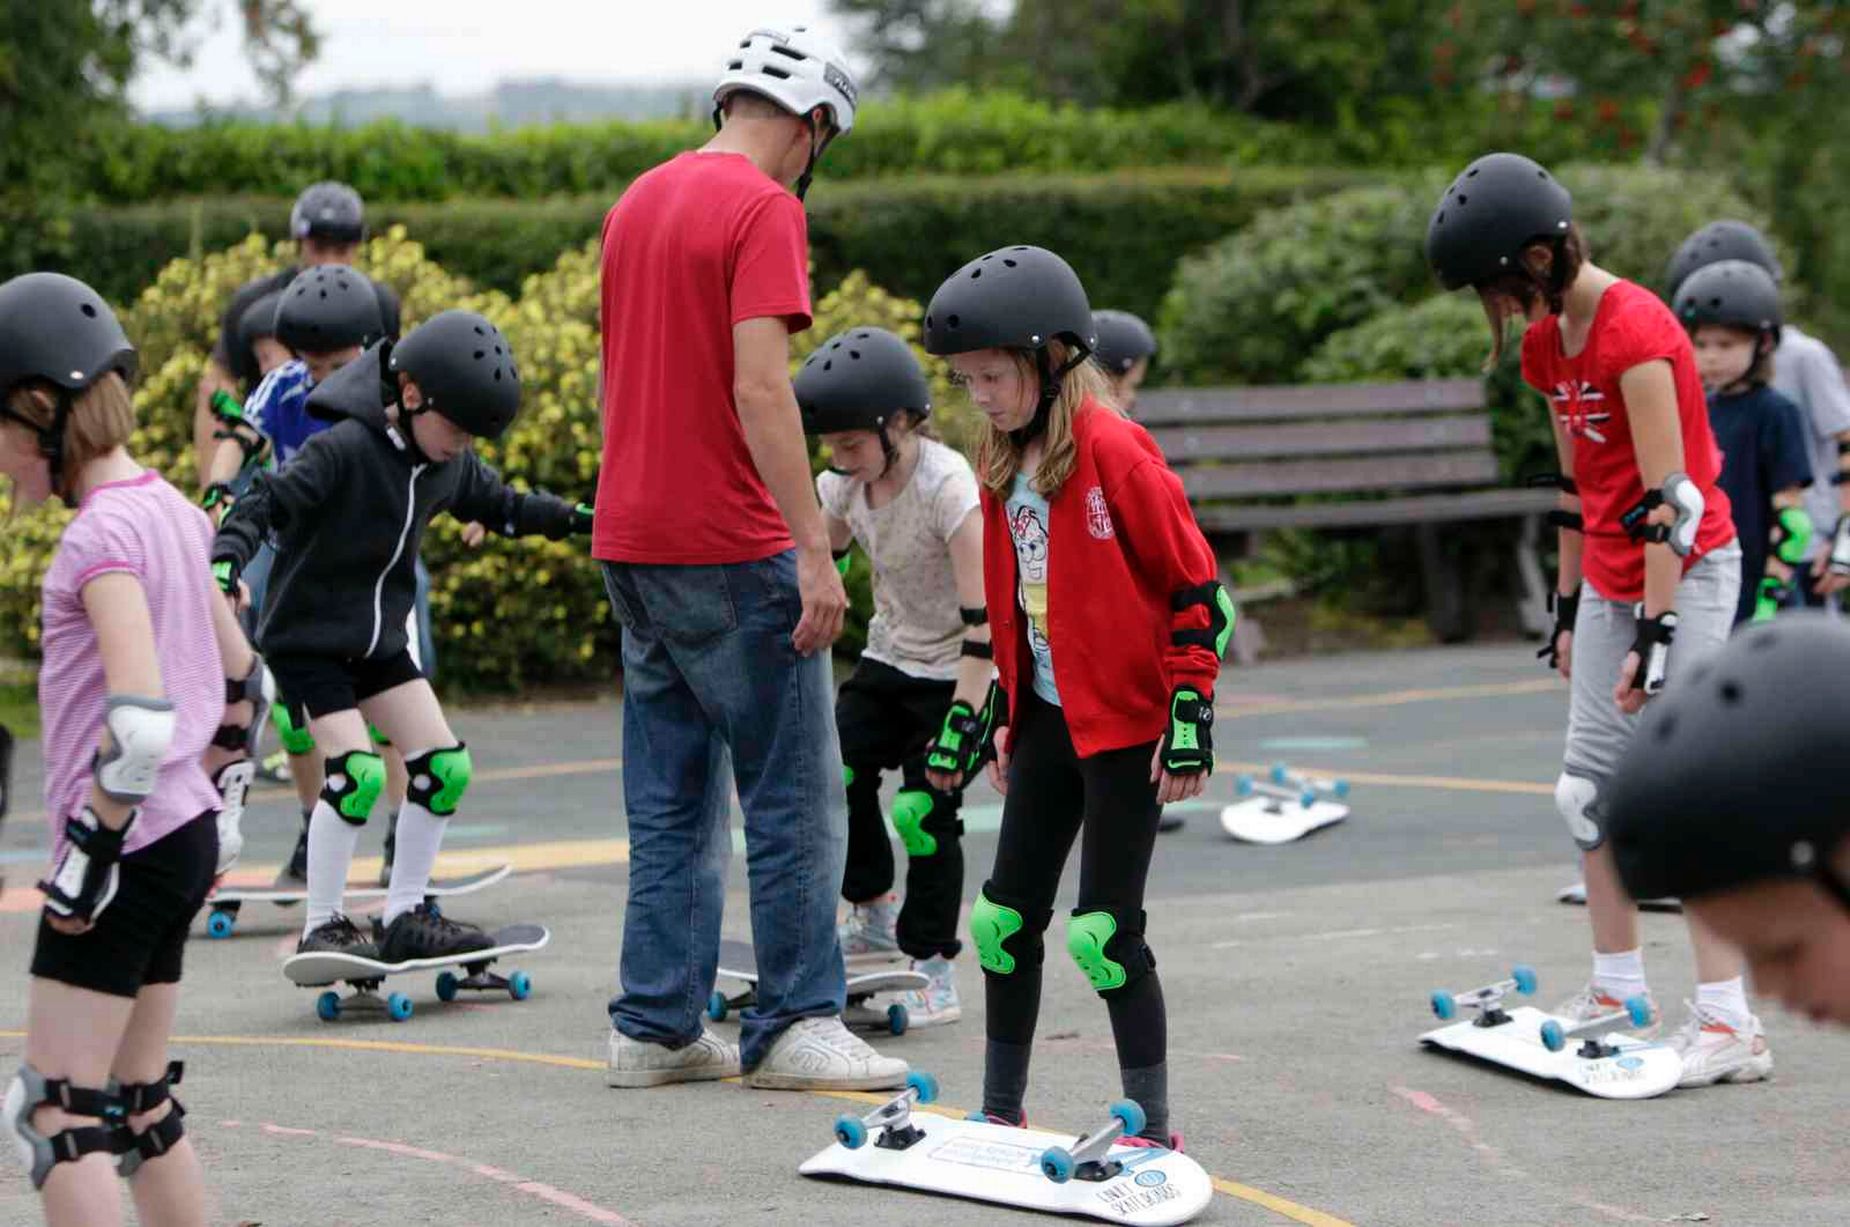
{"x":164,"y":1134}
{"x":1108,"y":946}
{"x":994,"y":922}
{"x":39,"y":1152}
{"x":352,"y":782}
{"x":438,"y":778}
{"x":1577,"y":799}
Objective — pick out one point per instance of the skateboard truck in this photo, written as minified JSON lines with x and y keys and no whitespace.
{"x":1310,"y":785}
{"x":1487,"y":1001}
{"x":1637,"y":1012}
{"x":1247,"y":786}
{"x":1086,"y":1160}
{"x":893,"y":1119}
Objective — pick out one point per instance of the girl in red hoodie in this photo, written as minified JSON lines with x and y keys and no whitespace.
{"x":1108,"y":628}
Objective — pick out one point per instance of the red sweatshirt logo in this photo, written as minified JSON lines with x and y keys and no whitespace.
{"x":1098,"y":516}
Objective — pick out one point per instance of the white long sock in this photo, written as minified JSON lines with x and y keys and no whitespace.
{"x":331,"y":844}
{"x":420,"y":834}
{"x":1621,"y":974}
{"x":1727,"y":998}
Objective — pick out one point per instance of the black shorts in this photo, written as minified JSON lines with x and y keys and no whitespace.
{"x":138,"y":939}
{"x":315,"y":686}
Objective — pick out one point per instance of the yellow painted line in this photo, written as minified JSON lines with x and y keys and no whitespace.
{"x":1389,"y":698}
{"x":1233,"y":1188}
{"x":1446,"y":783}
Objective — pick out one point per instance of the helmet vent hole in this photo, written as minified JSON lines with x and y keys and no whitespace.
{"x":829,"y":365}
{"x":1730,"y":692}
{"x":1441,"y":218}
{"x":975,"y":273}
{"x":1463,"y":199}
{"x":772,"y":70}
{"x":735,"y":65}
{"x":88,"y":310}
{"x":1472,"y":173}
{"x":855,"y":354}
{"x":480,"y":354}
{"x":497,"y":374}
{"x":1010,"y":263}
{"x":791,"y":52}
{"x":952,"y":321}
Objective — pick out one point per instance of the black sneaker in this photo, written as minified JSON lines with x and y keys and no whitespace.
{"x":391,"y":847}
{"x":426,"y":933}
{"x":337,"y":936}
{"x":294,"y":875}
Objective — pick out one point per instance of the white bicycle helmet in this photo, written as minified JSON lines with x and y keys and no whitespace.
{"x":796,"y":68}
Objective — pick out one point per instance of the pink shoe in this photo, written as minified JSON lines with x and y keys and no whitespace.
{"x":1142,"y":1143}
{"x":994,"y":1118}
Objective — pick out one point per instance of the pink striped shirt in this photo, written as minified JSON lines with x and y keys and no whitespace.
{"x":145,"y":528}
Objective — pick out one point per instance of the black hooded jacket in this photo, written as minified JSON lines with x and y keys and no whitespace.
{"x":349,"y":512}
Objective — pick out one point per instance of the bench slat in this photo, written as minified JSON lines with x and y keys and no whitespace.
{"x":1474,"y":468}
{"x":1178,"y":406}
{"x":1189,"y":443}
{"x":1369,"y":513}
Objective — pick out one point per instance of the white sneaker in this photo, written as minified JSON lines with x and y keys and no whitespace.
{"x":870,"y":934}
{"x":820,"y":1054}
{"x":1714,"y":1050}
{"x":637,"y":1063}
{"x":936,"y":1004}
{"x":1595,"y":1002}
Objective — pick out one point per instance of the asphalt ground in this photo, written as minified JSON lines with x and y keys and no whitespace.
{"x":1296,"y":979}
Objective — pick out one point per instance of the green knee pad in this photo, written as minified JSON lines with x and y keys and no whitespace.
{"x":847,"y":776}
{"x":352,"y":782}
{"x":910,"y":809}
{"x":991,"y":925}
{"x":379,"y":738}
{"x":438,"y":778}
{"x":1086,"y":936}
{"x":295,"y":737}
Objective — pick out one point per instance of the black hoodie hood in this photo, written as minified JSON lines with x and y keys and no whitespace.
{"x":360,"y":390}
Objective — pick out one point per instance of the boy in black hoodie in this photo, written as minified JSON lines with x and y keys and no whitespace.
{"x":349,"y":515}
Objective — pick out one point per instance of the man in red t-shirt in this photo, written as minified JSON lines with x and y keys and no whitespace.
{"x":718,"y":566}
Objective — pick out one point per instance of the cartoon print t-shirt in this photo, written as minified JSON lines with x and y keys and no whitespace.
{"x":1028,"y":520}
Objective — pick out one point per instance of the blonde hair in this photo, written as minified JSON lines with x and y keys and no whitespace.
{"x":998,"y":453}
{"x":102,"y":418}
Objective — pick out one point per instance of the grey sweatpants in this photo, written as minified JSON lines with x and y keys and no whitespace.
{"x":1597,"y":731}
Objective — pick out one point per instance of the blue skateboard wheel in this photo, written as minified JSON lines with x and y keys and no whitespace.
{"x":327,"y":1006}
{"x":717,"y":1007}
{"x":1057,"y":1164}
{"x":1341,"y":789}
{"x":927,"y":1087}
{"x":1280,"y":773}
{"x":1243,"y":785}
{"x":447,"y":984}
{"x":1307,"y":798}
{"x":897,"y":1019}
{"x":1130,"y":1114}
{"x":1443,"y":1006}
{"x":1554,"y":1039}
{"x":398,"y":1006}
{"x":220,"y":924}
{"x":850,"y":1132}
{"x":520,"y":986}
{"x":1525,"y":979}
{"x":1639,"y":1009}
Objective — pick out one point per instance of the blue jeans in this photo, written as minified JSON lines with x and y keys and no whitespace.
{"x":714,"y":693}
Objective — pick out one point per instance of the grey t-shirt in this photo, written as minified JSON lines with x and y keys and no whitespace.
{"x":916,"y":627}
{"x":1805,"y":370}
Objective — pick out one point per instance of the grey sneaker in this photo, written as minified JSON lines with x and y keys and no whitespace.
{"x":638,"y":1063}
{"x":936,"y":1004}
{"x":1595,"y":1002}
{"x":821,"y":1054}
{"x":870,"y":934}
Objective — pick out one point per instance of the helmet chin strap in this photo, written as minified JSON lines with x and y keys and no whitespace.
{"x":1051,"y":382}
{"x":816,"y":149}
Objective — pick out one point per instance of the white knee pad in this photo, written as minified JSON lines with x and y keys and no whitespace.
{"x":1578,"y":800}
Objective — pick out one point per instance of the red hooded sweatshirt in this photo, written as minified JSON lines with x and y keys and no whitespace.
{"x":1121,"y":543}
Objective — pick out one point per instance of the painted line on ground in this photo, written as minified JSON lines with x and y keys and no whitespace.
{"x":1232,"y":1188}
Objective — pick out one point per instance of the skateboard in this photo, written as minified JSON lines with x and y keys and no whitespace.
{"x":365,"y":975}
{"x":1606,"y":1062}
{"x":222,"y":913}
{"x":1284,"y":806}
{"x":1090,"y":1176}
{"x":1577,"y":895}
{"x":738,"y":961}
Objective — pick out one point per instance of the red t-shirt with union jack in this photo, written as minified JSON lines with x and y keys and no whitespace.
{"x":1631,"y":327}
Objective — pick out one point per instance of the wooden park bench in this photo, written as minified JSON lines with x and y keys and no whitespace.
{"x":1364,"y":455}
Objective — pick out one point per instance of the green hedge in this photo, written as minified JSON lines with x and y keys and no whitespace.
{"x":1123,"y":231}
{"x":1250,"y":307}
{"x":956,"y":132}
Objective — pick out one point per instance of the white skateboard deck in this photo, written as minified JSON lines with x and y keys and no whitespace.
{"x":1639,"y":1069}
{"x":1272,"y":820}
{"x":1577,"y":895}
{"x":738,"y":961}
{"x":223,"y":905}
{"x":994,"y":1163}
{"x":316,"y":970}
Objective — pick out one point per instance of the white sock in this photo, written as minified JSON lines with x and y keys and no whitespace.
{"x":1621,"y":975}
{"x":420,"y":834}
{"x":1727,"y":998}
{"x":331,"y":844}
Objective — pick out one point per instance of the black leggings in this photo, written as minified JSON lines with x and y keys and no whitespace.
{"x":1053,"y":794}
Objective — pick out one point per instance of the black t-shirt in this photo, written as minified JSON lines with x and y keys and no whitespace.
{"x":1762,"y":436}
{"x":231,"y":353}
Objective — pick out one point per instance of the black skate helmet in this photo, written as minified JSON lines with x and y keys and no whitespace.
{"x":1717,"y":241}
{"x":327,"y":308}
{"x":1755,"y":729}
{"x":1731,"y":292}
{"x":1497,"y":206}
{"x":1014,"y":298}
{"x":329,"y":211}
{"x":1123,"y":339}
{"x":58,"y":329}
{"x":465,"y":369}
{"x":858,"y":380}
